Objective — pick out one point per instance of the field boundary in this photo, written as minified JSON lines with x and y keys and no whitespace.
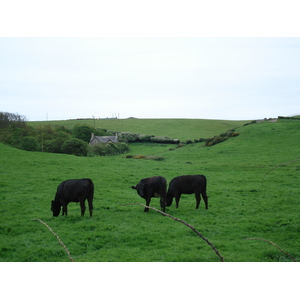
{"x":186,"y":224}
{"x":260,"y":239}
{"x":277,"y":167}
{"x":56,"y":237}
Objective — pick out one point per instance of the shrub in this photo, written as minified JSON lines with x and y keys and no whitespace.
{"x":123,"y":147}
{"x":164,"y":139}
{"x":227,"y":134}
{"x":215,"y":140}
{"x":131,"y":137}
{"x":54,"y":145}
{"x":252,"y":122}
{"x":74,"y":146}
{"x":180,"y":145}
{"x":29,"y":143}
{"x":108,"y":148}
{"x":201,"y":140}
{"x":13,"y":135}
{"x":45,"y":132}
{"x":82,"y":132}
{"x":62,"y":129}
{"x":97,"y":149}
{"x":221,"y":138}
{"x":145,"y":137}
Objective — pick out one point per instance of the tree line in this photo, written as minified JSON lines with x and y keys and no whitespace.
{"x":15,"y":131}
{"x":10,"y":119}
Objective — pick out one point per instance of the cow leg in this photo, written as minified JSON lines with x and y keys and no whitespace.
{"x":163,"y":204}
{"x":177,"y":198}
{"x":198,"y":199}
{"x":147,"y":204}
{"x":205,"y":199}
{"x":90,"y":202}
{"x":64,"y":210}
{"x":82,"y":205}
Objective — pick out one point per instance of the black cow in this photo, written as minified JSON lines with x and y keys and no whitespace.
{"x":74,"y":190}
{"x":152,"y":187}
{"x":187,"y":184}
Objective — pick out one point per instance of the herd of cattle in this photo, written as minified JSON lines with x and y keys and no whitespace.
{"x":78,"y":190}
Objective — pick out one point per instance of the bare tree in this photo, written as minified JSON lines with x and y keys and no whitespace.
{"x":12,"y":119}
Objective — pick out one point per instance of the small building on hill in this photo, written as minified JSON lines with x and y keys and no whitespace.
{"x":103,"y":139}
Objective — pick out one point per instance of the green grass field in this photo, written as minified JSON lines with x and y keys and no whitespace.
{"x":181,"y":129}
{"x":240,"y":207}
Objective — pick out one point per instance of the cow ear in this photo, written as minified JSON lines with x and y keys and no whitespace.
{"x":133,"y":187}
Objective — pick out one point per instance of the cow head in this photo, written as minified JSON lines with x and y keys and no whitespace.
{"x":140,"y":189}
{"x":169,"y":199}
{"x":55,"y":207}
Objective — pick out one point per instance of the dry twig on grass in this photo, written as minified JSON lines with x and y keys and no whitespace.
{"x":277,"y":167}
{"x":275,"y":246}
{"x":186,"y":224}
{"x":56,"y":237}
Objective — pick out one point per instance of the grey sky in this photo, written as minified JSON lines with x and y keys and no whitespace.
{"x":149,"y":77}
{"x":212,"y":78}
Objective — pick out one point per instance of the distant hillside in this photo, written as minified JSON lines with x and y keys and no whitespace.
{"x":182,"y":129}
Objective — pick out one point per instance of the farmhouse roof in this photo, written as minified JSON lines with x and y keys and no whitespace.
{"x":103,"y":139}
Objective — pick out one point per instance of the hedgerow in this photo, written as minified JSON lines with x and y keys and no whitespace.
{"x":221,"y":137}
{"x":130,"y":137}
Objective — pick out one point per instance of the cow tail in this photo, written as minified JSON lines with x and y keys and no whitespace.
{"x":205,"y":184}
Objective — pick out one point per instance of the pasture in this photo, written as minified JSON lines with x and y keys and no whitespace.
{"x":181,"y":129}
{"x":240,"y":206}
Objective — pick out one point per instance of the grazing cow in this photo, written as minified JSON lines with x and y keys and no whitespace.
{"x":152,"y":187}
{"x":74,"y":190}
{"x":187,"y":184}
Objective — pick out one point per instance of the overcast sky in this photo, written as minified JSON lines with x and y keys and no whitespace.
{"x":150,"y":77}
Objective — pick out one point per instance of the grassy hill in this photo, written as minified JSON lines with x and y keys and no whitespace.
{"x":240,"y":206}
{"x":181,"y":129}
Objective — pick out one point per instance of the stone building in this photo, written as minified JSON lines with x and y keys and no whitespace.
{"x":103,"y":139}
